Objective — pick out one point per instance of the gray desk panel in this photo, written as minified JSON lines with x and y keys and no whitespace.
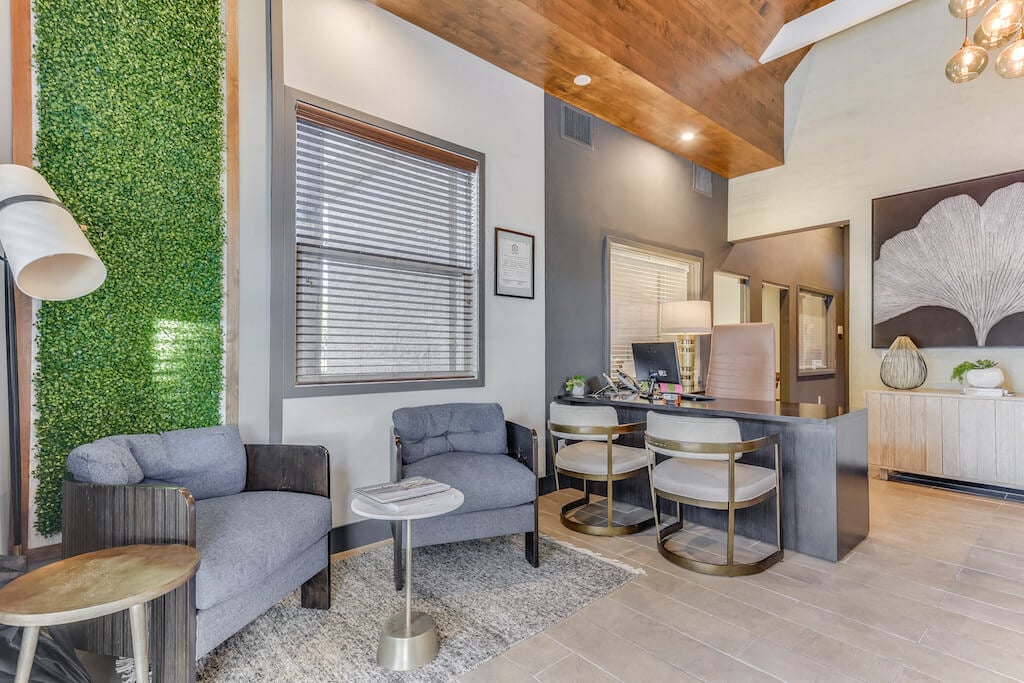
{"x":824,"y":473}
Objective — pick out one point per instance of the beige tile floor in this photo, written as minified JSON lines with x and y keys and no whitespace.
{"x":935,"y":593}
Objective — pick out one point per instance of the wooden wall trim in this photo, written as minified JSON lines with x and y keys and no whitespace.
{"x":21,"y":148}
{"x":232,"y":257}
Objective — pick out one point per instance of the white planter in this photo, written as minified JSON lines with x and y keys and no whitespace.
{"x":987,"y":378}
{"x":577,"y":390}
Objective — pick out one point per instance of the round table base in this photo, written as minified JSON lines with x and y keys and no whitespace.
{"x":403,"y":650}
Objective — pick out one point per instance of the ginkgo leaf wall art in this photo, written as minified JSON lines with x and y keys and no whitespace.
{"x":948,"y":264}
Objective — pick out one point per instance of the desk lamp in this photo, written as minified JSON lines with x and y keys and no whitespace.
{"x":46,"y":256}
{"x":686,"y":319}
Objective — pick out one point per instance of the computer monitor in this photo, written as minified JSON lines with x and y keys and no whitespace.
{"x":661,"y":358}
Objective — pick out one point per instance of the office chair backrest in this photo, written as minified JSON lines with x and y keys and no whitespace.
{"x":742,"y":362}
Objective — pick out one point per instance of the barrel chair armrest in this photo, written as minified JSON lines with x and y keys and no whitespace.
{"x":522,"y":444}
{"x":288,"y":467}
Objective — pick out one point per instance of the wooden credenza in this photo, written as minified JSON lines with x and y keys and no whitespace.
{"x":947,"y":434}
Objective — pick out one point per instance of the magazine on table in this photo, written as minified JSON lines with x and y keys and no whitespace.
{"x":395,"y":492}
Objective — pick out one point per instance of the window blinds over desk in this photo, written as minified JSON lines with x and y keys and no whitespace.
{"x":640,"y":280}
{"x":386,"y":260}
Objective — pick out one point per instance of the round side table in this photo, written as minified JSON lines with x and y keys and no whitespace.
{"x":93,"y":585}
{"x":409,"y":638}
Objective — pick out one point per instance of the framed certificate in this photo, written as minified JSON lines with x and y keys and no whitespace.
{"x":513,"y":263}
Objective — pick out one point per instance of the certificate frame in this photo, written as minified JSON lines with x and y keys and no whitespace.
{"x":510,"y":277}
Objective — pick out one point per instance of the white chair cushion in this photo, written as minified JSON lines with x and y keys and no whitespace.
{"x":693,"y":429}
{"x":706,"y":480}
{"x":591,"y":457}
{"x":583,"y":416}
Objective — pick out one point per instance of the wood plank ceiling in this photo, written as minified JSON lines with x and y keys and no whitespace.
{"x":659,"y":67}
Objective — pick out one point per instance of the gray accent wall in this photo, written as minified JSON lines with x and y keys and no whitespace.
{"x":627,"y":188}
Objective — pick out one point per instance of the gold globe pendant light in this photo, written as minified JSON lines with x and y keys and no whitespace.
{"x":968,"y":63}
{"x":982,"y":39}
{"x":1002,"y":21}
{"x":961,"y":9}
{"x":1010,"y":63}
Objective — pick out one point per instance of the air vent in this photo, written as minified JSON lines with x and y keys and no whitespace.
{"x":702,"y":180}
{"x":577,"y":126}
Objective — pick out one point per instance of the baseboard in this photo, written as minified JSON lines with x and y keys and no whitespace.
{"x":546,"y":484}
{"x":358,"y":534}
{"x":977,"y":489}
{"x":44,"y":553}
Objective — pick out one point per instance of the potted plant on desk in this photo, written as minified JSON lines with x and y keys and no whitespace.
{"x":576,"y":385}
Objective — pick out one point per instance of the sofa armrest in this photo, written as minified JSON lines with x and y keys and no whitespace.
{"x":522,"y":444}
{"x":98,"y":516}
{"x":284,"y":467}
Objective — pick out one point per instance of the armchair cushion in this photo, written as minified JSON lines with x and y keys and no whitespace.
{"x":245,"y":538}
{"x":460,"y":427}
{"x":106,"y":461}
{"x":208,"y":461}
{"x":488,"y":481}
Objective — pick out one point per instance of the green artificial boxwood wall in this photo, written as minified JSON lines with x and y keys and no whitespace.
{"x":130,"y":135}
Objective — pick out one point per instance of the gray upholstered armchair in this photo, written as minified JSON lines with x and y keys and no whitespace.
{"x":258,"y":514}
{"x":471,"y":447}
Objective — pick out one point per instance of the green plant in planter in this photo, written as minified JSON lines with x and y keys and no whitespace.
{"x":575,"y":381}
{"x":962,"y":368}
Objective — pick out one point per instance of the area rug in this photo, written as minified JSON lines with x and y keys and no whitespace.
{"x":483,"y":595}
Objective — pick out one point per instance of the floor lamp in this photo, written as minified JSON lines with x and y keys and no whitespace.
{"x":686,"y":319}
{"x":46,"y":256}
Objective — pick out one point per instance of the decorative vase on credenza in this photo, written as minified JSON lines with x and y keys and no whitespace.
{"x":903,"y":366}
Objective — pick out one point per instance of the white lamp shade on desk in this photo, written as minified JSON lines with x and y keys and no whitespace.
{"x":49,"y":256}
{"x":686,"y":317}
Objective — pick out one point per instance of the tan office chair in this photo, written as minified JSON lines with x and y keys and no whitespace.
{"x":702,"y":471}
{"x":742,"y":362}
{"x":594,"y":456}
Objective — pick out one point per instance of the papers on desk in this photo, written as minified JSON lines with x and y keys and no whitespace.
{"x":401,"y":495}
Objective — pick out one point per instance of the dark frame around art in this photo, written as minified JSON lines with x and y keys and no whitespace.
{"x":932,"y":326}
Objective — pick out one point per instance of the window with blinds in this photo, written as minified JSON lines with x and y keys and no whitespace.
{"x":640,"y":279}
{"x":387,"y":281}
{"x":816,"y":332}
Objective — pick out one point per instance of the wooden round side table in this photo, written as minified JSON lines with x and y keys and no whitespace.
{"x":94,"y":585}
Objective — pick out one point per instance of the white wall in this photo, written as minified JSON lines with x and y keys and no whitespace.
{"x":360,"y":56}
{"x":869,"y":113}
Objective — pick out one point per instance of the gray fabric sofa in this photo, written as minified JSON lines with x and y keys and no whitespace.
{"x":471,"y":447}
{"x":259,"y":515}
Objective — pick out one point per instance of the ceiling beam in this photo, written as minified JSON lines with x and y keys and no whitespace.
{"x":833,"y":18}
{"x":658,"y":67}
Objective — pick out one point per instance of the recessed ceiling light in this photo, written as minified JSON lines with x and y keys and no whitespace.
{"x":582,"y":79}
{"x":688,"y":135}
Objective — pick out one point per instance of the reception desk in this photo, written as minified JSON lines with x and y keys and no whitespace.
{"x":824,"y":469}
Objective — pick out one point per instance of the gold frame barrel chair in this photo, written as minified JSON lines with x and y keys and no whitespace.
{"x":702,"y":471}
{"x":589,"y":459}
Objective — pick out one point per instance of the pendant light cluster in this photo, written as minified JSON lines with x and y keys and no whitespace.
{"x":1001,"y":26}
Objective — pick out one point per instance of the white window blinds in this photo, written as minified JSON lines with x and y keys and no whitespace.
{"x":640,"y":280}
{"x":386,"y":263}
{"x":813,"y":332}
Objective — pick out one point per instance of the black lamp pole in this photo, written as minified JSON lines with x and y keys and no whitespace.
{"x":13,"y":408}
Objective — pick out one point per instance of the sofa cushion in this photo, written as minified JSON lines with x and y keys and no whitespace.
{"x":488,"y":481}
{"x":244,"y":538}
{"x":105,"y":461}
{"x":461,"y":427}
{"x":209,"y":461}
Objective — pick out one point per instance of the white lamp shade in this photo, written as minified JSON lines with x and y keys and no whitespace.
{"x":686,"y":317}
{"x":49,"y":254}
